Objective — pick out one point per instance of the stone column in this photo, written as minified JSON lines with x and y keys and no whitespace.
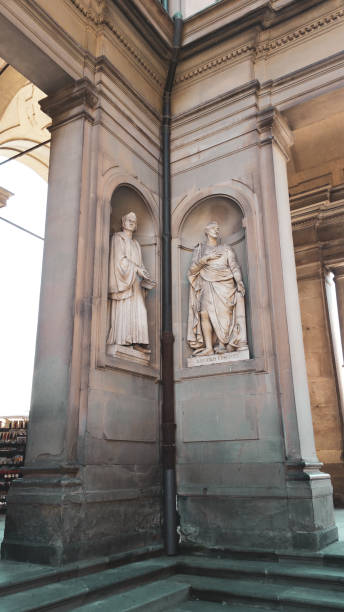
{"x":309,"y":491}
{"x":339,"y":281}
{"x":321,"y":364}
{"x":42,"y":513}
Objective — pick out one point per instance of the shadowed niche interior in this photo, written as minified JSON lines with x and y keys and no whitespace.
{"x":126,"y":199}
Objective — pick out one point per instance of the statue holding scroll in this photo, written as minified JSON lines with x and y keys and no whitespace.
{"x":217,"y":322}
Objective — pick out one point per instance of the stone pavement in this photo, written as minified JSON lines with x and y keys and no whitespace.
{"x":241,"y":583}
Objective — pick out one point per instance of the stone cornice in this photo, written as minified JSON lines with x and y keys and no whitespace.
{"x":92,"y":9}
{"x":328,"y":253}
{"x":71,"y":102}
{"x":338,"y":271}
{"x":97,"y":13}
{"x":318,"y":225}
{"x":158,"y":22}
{"x":297,"y":35}
{"x":134,"y":52}
{"x":311,"y":270}
{"x":273,"y":128}
{"x":214,"y":23}
{"x":314,"y":214}
{"x":268,"y":47}
{"x":215,"y":62}
{"x":103,"y":65}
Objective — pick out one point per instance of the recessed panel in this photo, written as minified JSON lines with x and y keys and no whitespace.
{"x":132,"y":419}
{"x":216,"y":418}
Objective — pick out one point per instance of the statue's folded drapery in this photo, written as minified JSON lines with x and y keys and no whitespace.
{"x":128,"y":311}
{"x":213,"y":288}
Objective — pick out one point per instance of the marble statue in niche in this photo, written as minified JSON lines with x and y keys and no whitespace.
{"x":217,"y":320}
{"x":128,"y":282}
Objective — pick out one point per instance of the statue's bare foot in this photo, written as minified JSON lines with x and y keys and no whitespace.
{"x":206,"y":352}
{"x":142,"y":348}
{"x":197,"y":351}
{"x":219,"y":349}
{"x":230,"y":349}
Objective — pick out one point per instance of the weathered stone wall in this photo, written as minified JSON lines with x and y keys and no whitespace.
{"x":92,"y":483}
{"x":248,"y":475}
{"x":220,"y":148}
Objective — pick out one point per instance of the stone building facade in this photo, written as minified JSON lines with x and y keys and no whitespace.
{"x":257,"y":114}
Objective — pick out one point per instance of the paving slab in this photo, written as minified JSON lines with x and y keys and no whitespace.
{"x":15,"y":575}
{"x":211,"y":606}
{"x":155,"y":597}
{"x":77,"y":589}
{"x":224,"y":589}
{"x":319,"y":576}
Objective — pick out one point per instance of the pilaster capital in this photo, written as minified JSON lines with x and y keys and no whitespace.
{"x":69,"y":103}
{"x":273,"y":128}
{"x":338,"y":273}
{"x":312,"y":270}
{"x":4,"y":196}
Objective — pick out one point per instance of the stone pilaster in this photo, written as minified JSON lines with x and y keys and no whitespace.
{"x":43,"y":513}
{"x":308,"y":490}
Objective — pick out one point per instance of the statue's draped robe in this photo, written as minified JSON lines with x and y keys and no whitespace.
{"x":128,"y":323}
{"x":213,"y":288}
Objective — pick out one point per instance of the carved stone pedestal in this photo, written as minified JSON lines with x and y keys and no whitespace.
{"x":219,"y":358}
{"x":128,"y":352}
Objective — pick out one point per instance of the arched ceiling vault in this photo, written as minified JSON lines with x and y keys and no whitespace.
{"x":22,"y":122}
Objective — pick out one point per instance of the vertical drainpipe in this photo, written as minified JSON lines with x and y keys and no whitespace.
{"x":167,"y":339}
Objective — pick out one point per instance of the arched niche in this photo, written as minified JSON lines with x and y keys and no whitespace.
{"x":230,"y":217}
{"x":124,"y":199}
{"x":127,"y":199}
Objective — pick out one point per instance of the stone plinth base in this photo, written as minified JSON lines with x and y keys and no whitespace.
{"x":299,"y":516}
{"x":220,"y":358}
{"x":53,"y":519}
{"x":129,"y":353}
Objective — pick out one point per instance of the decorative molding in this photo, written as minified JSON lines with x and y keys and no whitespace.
{"x":264,"y":48}
{"x":134,"y":52}
{"x":317,"y":206}
{"x":312,"y":270}
{"x":96,"y":12}
{"x":80,"y":97}
{"x":300,"y":33}
{"x":215,"y":62}
{"x":272,"y":127}
{"x":92,"y":9}
{"x":314,"y":214}
{"x":338,"y":272}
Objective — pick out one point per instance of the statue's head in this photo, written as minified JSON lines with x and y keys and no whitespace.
{"x":212,"y":229}
{"x":129,"y":222}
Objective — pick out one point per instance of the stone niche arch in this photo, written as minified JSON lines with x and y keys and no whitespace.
{"x":128,"y":198}
{"x":233,"y":206}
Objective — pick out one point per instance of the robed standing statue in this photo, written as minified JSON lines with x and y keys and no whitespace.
{"x":217,"y":322}
{"x":128,"y":282}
